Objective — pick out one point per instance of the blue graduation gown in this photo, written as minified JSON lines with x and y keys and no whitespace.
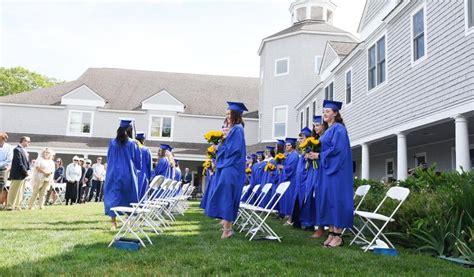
{"x":162,"y":168}
{"x":301,"y":174}
{"x":145,"y":173}
{"x":177,"y":174}
{"x":255,"y":178}
{"x":121,"y":181}
{"x":269,"y":177}
{"x":209,"y":187}
{"x":224,"y":201}
{"x":309,"y":209}
{"x":289,"y":174}
{"x":335,"y":198}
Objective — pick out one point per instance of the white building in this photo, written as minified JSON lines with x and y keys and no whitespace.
{"x":407,"y":86}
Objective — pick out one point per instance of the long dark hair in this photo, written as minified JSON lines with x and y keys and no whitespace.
{"x":123,"y":134}
{"x":280,"y":148}
{"x":314,"y":134}
{"x":338,"y":118}
{"x":236,"y":118}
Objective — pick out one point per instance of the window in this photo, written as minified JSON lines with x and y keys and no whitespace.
{"x":376,"y":64}
{"x":349,"y":87}
{"x":418,"y":34}
{"x":317,"y":64}
{"x":329,"y":92}
{"x":317,"y":13}
{"x":307,"y":116}
{"x":314,"y":108}
{"x":389,"y":168}
{"x":279,"y":122}
{"x":301,"y":119}
{"x":420,"y":159}
{"x":301,"y":14}
{"x":282,"y":66}
{"x":80,"y":123}
{"x":354,"y":167}
{"x":470,"y":13}
{"x":161,"y":127}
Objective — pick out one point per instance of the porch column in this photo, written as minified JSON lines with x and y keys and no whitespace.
{"x":463,"y":161}
{"x":402,"y":167}
{"x":365,"y":161}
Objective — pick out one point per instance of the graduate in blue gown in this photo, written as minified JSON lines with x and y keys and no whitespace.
{"x":335,"y":198}
{"x":123,"y":165}
{"x":210,"y":184}
{"x":224,"y":201}
{"x":259,"y":170}
{"x":163,"y":167}
{"x":255,"y":175}
{"x":270,"y":174}
{"x":289,"y":174}
{"x":177,"y":171}
{"x":309,"y":210}
{"x":301,"y":174}
{"x":280,"y":149}
{"x":146,"y":168}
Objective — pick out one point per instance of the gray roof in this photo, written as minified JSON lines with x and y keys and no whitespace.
{"x":125,"y":89}
{"x":309,"y":25}
{"x":342,"y":48}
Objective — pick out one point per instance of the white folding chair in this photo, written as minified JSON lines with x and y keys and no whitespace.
{"x":396,"y":193}
{"x":361,"y":192}
{"x":248,"y":215}
{"x":244,"y":191}
{"x":260,"y":215}
{"x":136,"y":217}
{"x":247,"y":202}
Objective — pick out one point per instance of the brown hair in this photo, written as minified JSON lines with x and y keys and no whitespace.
{"x":325,"y":125}
{"x":236,"y":118}
{"x":338,"y":118}
{"x":3,"y":136}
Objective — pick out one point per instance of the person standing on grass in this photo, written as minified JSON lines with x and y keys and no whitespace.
{"x":335,"y":200}
{"x":98,"y":176}
{"x":73,"y":176}
{"x":86,"y":182}
{"x":288,"y":169}
{"x":18,"y":173}
{"x":163,"y":167}
{"x":59,"y":176}
{"x":42,"y":177}
{"x":6,"y":157}
{"x":144,"y":176}
{"x":123,"y":164}
{"x":224,"y":201}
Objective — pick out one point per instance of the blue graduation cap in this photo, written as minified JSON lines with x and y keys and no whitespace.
{"x":237,"y":106}
{"x":260,"y":153}
{"x":306,"y":131}
{"x":290,"y":140}
{"x":253,"y":156}
{"x":170,"y":148}
{"x":332,"y":105}
{"x":140,"y":135}
{"x":125,"y":123}
{"x":280,"y":142}
{"x":317,"y":119}
{"x":270,"y":148}
{"x":164,"y":146}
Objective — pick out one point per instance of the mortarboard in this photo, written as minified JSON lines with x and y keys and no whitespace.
{"x":237,"y":106}
{"x":306,"y":131}
{"x":332,"y":105}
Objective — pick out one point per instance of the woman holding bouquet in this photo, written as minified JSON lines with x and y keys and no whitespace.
{"x":288,"y":174}
{"x":335,"y":204}
{"x":224,"y":201}
{"x":270,"y":173}
{"x":309,"y":211}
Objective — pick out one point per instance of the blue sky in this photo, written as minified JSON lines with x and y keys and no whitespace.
{"x":62,"y":38}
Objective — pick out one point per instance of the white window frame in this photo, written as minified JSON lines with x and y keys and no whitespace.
{"x":384,"y":83}
{"x":150,"y":137}
{"x":345,"y":86}
{"x":468,"y":30}
{"x":273,"y":122}
{"x":308,"y":118}
{"x":287,"y":68}
{"x":69,"y":133}
{"x":425,"y":34}
{"x":421,"y":154}
{"x":327,"y":86}
{"x":392,"y":160}
{"x":314,"y":103}
{"x":301,"y":119}
{"x":317,"y":66}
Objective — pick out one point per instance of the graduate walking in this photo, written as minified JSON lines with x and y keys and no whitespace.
{"x":144,"y":176}
{"x":224,"y":201}
{"x":123,"y":165}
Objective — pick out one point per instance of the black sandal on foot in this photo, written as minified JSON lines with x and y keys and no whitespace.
{"x":336,"y":235}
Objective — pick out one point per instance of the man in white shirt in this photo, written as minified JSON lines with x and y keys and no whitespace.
{"x":6,"y":156}
{"x":98,"y":177}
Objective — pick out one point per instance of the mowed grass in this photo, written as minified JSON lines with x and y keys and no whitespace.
{"x":72,"y":240}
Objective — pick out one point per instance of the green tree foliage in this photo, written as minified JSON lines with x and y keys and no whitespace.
{"x":19,"y":79}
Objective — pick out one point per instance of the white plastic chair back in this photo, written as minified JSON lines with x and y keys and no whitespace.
{"x":398,"y":193}
{"x":361,"y":192}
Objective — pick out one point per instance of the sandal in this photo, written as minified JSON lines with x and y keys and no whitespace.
{"x":227,"y":236}
{"x":327,"y":241}
{"x":335,"y":246}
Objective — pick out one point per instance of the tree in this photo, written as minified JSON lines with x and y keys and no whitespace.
{"x":19,"y":79}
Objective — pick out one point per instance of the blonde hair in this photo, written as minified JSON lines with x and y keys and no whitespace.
{"x":51,"y":152}
{"x":170,"y":158}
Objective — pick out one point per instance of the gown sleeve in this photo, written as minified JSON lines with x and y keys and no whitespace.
{"x":333,"y":156}
{"x":231,"y":150}
{"x":291,"y":163}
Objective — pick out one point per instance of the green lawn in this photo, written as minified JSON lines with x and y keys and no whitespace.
{"x":72,"y":240}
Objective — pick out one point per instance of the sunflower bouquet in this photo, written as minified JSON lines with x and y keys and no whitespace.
{"x":211,"y":152}
{"x":248,"y":170}
{"x":310,"y":145}
{"x":279,"y":158}
{"x":206,"y":165}
{"x":214,"y":137}
{"x":269,"y":167}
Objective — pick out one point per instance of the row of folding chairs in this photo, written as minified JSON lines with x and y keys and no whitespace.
{"x":368,"y":219}
{"x":253,"y":213}
{"x":156,"y":211}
